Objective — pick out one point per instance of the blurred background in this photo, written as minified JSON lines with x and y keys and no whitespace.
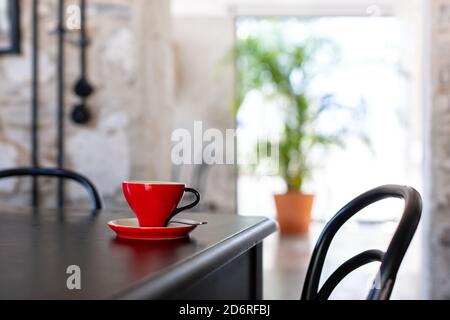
{"x":377,"y":73}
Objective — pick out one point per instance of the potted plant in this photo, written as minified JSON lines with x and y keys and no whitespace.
{"x":281,"y":72}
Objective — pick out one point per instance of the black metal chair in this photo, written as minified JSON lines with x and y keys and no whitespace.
{"x":60,"y":173}
{"x":390,"y":260}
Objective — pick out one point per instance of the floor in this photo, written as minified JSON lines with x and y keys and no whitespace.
{"x":286,"y":260}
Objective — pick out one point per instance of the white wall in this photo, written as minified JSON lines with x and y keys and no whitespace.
{"x":204,"y":91}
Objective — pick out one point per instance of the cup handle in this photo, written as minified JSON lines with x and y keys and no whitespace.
{"x":188,"y":206}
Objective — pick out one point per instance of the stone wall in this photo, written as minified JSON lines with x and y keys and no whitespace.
{"x":130,"y":65}
{"x":151,"y":74}
{"x":437,"y":199}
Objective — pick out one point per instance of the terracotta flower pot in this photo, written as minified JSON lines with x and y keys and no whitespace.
{"x":294,"y":212}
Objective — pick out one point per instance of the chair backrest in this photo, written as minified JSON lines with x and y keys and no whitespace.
{"x":390,"y":260}
{"x":60,"y":173}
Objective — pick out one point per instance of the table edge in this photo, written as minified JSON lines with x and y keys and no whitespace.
{"x":203,"y":263}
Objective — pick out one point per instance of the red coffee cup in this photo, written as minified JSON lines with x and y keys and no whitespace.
{"x":155,"y":203}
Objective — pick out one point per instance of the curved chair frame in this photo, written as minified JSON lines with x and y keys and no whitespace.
{"x":56,"y":172}
{"x":390,"y":261}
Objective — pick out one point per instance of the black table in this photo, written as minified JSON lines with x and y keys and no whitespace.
{"x":221,"y":260}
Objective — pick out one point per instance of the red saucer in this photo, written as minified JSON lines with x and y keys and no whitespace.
{"x":128,"y":228}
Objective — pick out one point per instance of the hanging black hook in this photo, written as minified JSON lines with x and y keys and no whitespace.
{"x":82,"y":88}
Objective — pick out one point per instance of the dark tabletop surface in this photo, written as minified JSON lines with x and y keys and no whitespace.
{"x":37,"y":247}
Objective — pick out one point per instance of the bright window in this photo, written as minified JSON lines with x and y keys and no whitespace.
{"x":368,"y":74}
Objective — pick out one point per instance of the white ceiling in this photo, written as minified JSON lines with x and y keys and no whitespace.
{"x":281,"y":7}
